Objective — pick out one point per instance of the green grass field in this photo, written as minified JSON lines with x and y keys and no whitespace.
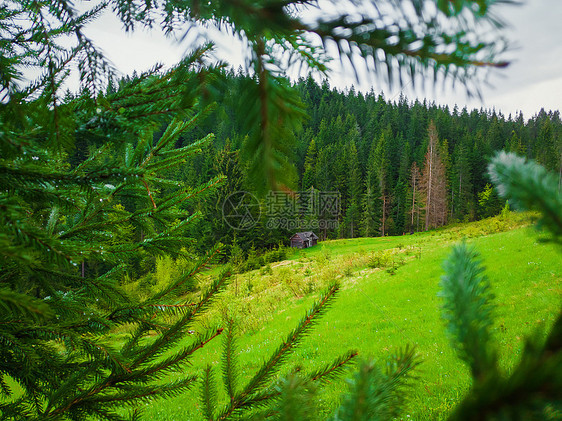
{"x":381,"y":309}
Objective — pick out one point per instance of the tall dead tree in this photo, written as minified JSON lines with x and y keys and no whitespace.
{"x":415,"y":186}
{"x":434,"y":183}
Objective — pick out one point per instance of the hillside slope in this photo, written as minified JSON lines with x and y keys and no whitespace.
{"x":388,"y":300}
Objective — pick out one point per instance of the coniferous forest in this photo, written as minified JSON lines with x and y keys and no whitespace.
{"x":374,"y":152}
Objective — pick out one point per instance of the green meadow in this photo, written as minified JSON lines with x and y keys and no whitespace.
{"x":388,"y":299}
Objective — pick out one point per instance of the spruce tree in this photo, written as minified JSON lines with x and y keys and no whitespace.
{"x":370,"y":206}
{"x":461,"y":183}
{"x":382,"y":163}
{"x":352,"y":213}
{"x":309,"y":166}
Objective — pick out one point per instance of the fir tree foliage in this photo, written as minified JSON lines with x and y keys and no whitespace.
{"x":264,"y":395}
{"x":468,"y":309}
{"x":36,"y":35}
{"x":529,"y":186}
{"x":73,"y":232}
{"x":375,"y":394}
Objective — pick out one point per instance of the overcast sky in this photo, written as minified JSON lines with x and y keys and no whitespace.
{"x":532,"y":81}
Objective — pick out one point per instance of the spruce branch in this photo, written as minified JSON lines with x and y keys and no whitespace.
{"x":297,"y":399}
{"x":197,"y":267}
{"x":208,"y":393}
{"x":253,"y":394}
{"x":14,"y":306}
{"x":375,"y":394}
{"x":468,"y":308}
{"x":273,"y":110}
{"x":146,"y":354}
{"x":158,"y":370}
{"x":271,"y":366}
{"x":229,"y":364}
{"x":533,"y":389}
{"x":132,"y":395}
{"x":334,"y":368}
{"x":529,"y":186}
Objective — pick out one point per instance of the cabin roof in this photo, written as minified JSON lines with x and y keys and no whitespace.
{"x":307,"y":235}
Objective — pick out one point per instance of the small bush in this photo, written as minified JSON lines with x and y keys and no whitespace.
{"x":275,"y":255}
{"x":388,"y":259}
{"x":380,"y":259}
{"x":256,"y":260}
{"x":324,"y":256}
{"x":266,"y":270}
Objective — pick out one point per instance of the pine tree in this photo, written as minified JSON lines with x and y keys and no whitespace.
{"x":382,"y":164}
{"x":461,"y":184}
{"x":369,"y":221}
{"x":352,"y":216}
{"x":309,"y":166}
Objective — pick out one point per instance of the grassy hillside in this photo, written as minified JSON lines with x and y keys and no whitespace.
{"x":388,"y":299}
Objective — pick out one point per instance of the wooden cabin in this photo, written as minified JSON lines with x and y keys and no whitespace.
{"x":304,"y":240}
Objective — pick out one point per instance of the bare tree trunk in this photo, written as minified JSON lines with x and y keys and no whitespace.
{"x":415,"y":178}
{"x":429,"y":197}
{"x":434,"y":183}
{"x":413,"y":206}
{"x":383,"y":214}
